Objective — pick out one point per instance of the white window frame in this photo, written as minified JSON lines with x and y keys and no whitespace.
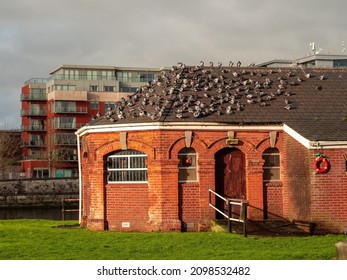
{"x":128,"y":157}
{"x":193,"y":154}
{"x":273,"y":167}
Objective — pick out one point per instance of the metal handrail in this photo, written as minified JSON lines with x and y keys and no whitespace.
{"x":230,"y":202}
{"x":64,"y":210}
{"x":214,"y":207}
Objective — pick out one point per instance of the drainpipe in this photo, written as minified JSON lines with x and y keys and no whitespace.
{"x":79,"y":179}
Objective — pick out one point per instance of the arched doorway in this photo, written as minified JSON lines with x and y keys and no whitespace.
{"x":230,"y":176}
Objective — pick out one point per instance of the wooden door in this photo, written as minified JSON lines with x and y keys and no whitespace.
{"x":230,"y":175}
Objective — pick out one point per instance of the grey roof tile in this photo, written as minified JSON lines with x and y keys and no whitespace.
{"x":317,"y":114}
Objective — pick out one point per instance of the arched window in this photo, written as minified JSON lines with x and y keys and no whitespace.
{"x":187,"y":166}
{"x":272,"y":168}
{"x":127,"y":166}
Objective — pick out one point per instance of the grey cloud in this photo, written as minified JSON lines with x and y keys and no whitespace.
{"x":38,"y":35}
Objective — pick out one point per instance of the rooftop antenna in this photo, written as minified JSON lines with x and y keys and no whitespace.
{"x":313,"y":48}
{"x":343,"y":47}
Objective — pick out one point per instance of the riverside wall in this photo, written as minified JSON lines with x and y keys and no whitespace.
{"x":29,"y":193}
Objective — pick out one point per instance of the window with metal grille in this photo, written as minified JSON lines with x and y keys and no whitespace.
{"x":187,"y":165}
{"x":272,"y":168}
{"x":128,"y":166}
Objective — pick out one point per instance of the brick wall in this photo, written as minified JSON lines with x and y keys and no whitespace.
{"x":189,"y":206}
{"x":273,"y":196}
{"x":127,"y":207}
{"x":311,"y":196}
{"x":164,"y":204}
{"x":296,"y":180}
{"x":329,"y":191}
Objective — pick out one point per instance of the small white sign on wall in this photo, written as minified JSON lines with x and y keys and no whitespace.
{"x":126,"y":224}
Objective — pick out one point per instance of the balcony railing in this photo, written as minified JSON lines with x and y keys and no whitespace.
{"x":32,"y":127}
{"x":33,"y":96}
{"x":68,"y":126}
{"x":33,"y":112}
{"x":71,"y":158}
{"x":37,"y":81}
{"x":33,"y":144}
{"x":83,"y":77}
{"x":138,"y":79}
{"x":135,"y":79}
{"x":67,"y":142}
{"x":70,"y":110}
{"x":35,"y":157}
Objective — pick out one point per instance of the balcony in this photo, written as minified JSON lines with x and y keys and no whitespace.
{"x":36,"y":81}
{"x":68,"y":126}
{"x":33,"y":97}
{"x":68,"y":158}
{"x":70,"y":110}
{"x":33,"y":144}
{"x":33,"y":127}
{"x":83,"y":77}
{"x":65,"y":142}
{"x":39,"y":156}
{"x":33,"y":113}
{"x":64,"y":155}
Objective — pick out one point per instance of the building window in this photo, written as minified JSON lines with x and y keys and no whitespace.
{"x":94,"y":105}
{"x":36,"y":154}
{"x":124,"y":76}
{"x":65,"y":87}
{"x":187,"y":167}
{"x":64,"y":155}
{"x":36,"y":140}
{"x":93,"y":88}
{"x":39,"y":173}
{"x":65,"y":123}
{"x":128,"y":89}
{"x":340,"y":63}
{"x":127,"y":167}
{"x":71,"y":74}
{"x":146,"y":77}
{"x":272,"y":170}
{"x":65,"y":139}
{"x":65,"y":107}
{"x":92,"y":75}
{"x":109,"y":88}
{"x":108,"y":105}
{"x":66,"y":173}
{"x":107,"y":75}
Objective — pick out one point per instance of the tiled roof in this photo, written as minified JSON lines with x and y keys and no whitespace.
{"x":313,"y":102}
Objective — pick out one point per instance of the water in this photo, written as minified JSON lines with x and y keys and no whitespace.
{"x":36,"y":213}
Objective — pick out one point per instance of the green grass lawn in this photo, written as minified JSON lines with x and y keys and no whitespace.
{"x":59,"y":240}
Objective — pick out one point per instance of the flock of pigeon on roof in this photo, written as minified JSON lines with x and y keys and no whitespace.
{"x":199,"y":91}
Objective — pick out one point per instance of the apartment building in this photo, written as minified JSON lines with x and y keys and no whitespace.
{"x":54,"y":108}
{"x":314,"y":60}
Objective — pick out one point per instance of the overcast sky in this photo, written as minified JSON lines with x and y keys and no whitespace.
{"x":37,"y":36}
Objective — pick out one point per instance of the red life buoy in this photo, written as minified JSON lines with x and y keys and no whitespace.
{"x":321,"y":165}
{"x":187,"y":161}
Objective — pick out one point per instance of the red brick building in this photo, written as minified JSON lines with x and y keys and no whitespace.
{"x":250,"y":133}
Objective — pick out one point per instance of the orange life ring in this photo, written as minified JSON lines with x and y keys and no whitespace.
{"x":321,"y":165}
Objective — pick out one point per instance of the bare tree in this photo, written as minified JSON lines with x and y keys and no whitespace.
{"x":61,"y":152}
{"x":10,"y":151}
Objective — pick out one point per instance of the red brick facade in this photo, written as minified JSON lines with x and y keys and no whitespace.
{"x":312,"y":196}
{"x":165,"y":204}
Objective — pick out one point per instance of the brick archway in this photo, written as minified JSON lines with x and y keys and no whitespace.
{"x":110,"y":147}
